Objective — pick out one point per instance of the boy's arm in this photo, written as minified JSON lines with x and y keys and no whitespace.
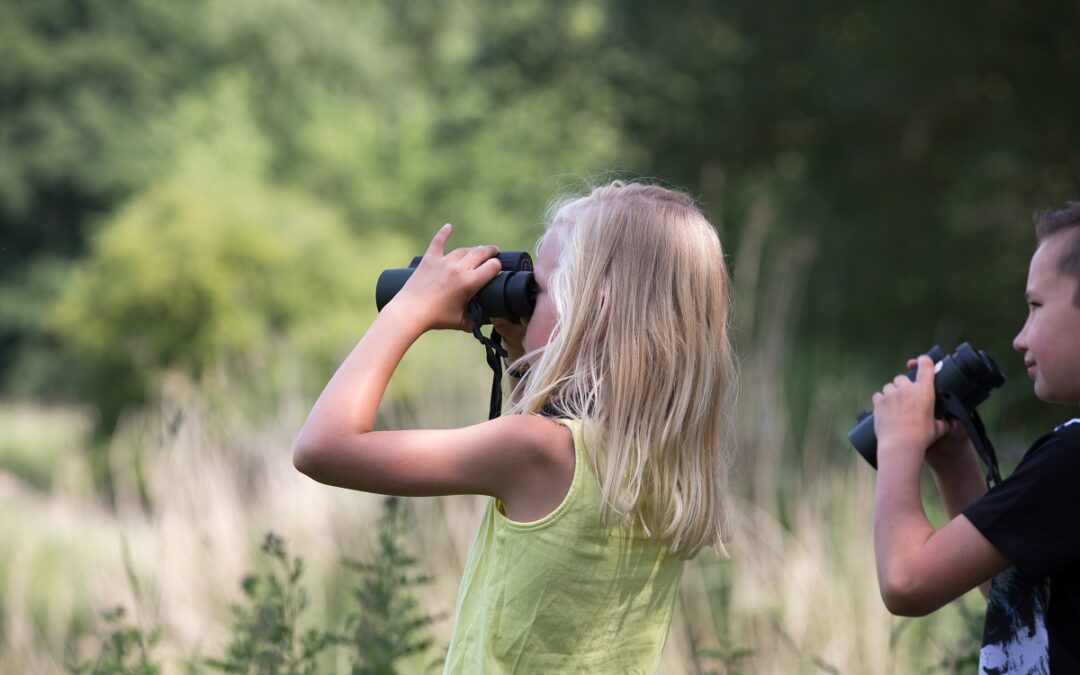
{"x":337,"y":444}
{"x":920,"y":569}
{"x":956,"y":473}
{"x":958,"y":476}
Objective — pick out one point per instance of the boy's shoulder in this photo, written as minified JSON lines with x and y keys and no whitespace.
{"x":1058,"y":449}
{"x":1066,"y":433}
{"x":1072,"y":425}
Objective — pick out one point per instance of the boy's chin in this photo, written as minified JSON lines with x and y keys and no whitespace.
{"x":1051,"y":395}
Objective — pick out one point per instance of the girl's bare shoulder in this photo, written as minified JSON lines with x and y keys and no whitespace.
{"x":544,"y":464}
{"x":541,"y":439}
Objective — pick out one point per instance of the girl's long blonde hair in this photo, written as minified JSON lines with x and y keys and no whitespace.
{"x":640,"y":352}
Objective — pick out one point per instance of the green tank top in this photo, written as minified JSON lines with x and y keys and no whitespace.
{"x":563,"y":594}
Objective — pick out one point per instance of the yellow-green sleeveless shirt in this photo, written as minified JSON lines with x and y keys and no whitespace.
{"x":563,"y":594}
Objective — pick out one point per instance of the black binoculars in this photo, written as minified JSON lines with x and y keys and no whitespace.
{"x":968,"y":374}
{"x":510,"y":295}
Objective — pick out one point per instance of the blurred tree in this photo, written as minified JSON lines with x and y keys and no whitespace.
{"x":200,"y":271}
{"x":911,"y":142}
{"x":79,"y":80}
{"x":379,"y":109}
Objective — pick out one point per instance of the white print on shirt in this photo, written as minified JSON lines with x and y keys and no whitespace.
{"x":1015,"y":638}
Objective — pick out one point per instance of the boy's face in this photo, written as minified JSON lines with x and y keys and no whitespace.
{"x":1050,"y":339}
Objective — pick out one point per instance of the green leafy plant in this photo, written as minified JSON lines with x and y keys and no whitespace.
{"x":124,"y":651}
{"x":385,"y":627}
{"x":389,"y":625}
{"x":265,"y":639}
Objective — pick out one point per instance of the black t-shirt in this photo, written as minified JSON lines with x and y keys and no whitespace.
{"x":1033,"y":518}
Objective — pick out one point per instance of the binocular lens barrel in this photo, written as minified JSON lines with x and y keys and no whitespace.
{"x":970,"y":375}
{"x":967,"y":373}
{"x":510,"y":295}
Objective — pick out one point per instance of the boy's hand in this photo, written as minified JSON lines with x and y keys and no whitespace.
{"x":952,"y":445}
{"x":904,"y":413}
{"x":438,"y":292}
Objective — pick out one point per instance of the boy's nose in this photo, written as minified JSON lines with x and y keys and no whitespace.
{"x":1020,"y":342}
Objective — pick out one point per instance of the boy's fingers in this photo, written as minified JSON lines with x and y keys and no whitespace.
{"x":955,"y":430}
{"x":926,"y":370}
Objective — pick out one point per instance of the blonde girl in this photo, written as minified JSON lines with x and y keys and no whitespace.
{"x":610,"y":467}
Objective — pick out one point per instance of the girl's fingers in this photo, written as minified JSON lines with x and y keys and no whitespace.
{"x":457,"y":254}
{"x":472,"y":256}
{"x":438,"y":242}
{"x":477,"y":255}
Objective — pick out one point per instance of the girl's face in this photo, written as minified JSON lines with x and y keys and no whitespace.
{"x":538,"y":327}
{"x":1050,"y":339}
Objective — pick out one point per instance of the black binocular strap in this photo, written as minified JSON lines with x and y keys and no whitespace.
{"x":495,"y":353}
{"x":949,"y":406}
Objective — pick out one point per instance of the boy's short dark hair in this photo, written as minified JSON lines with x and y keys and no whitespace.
{"x":1048,"y":223}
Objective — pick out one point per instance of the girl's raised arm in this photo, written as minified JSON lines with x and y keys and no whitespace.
{"x":337,"y":444}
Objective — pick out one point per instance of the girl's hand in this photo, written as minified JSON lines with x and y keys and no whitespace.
{"x":904,"y":413}
{"x":438,"y":292}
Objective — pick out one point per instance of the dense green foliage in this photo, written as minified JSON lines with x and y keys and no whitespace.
{"x":190,"y":274}
{"x":184,"y":182}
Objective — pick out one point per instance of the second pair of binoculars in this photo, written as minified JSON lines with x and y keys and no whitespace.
{"x":969,"y":374}
{"x":510,"y":295}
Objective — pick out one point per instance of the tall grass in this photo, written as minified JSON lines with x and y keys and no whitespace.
{"x":203,"y":472}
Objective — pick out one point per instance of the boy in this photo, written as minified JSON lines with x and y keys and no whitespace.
{"x":1025,"y":532}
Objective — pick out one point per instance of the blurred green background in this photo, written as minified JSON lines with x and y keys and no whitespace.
{"x":183,"y":182}
{"x":203,"y":193}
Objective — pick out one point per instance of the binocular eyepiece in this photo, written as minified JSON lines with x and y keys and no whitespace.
{"x":968,"y":374}
{"x":510,"y":295}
